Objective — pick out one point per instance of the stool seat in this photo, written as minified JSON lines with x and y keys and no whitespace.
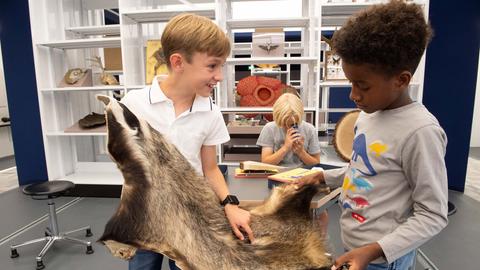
{"x":50,"y":189}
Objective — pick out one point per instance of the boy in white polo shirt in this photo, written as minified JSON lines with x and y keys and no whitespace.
{"x":181,"y":109}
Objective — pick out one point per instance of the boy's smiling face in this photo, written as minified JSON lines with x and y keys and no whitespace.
{"x":203,"y":72}
{"x":373,"y":91}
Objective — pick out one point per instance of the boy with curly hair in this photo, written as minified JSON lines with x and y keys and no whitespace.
{"x":394,"y":195}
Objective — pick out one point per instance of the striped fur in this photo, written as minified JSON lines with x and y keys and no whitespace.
{"x":167,"y":207}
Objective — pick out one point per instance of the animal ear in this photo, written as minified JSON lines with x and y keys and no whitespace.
{"x":103,"y":98}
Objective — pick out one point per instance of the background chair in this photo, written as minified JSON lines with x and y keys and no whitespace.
{"x":48,"y":191}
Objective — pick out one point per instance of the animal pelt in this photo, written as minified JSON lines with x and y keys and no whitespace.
{"x":167,"y":207}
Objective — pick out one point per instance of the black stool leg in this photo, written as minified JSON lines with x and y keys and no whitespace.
{"x":43,"y":252}
{"x":14,"y":253}
{"x":40,"y":265}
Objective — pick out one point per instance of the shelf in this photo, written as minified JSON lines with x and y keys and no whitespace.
{"x":274,"y":72}
{"x":348,"y":9}
{"x":267,"y":23}
{"x":75,"y":130}
{"x":162,"y":15}
{"x":335,"y":84}
{"x":246,"y":48}
{"x":244,"y":129}
{"x":256,"y":109}
{"x":342,"y":83}
{"x":113,"y":29}
{"x":113,"y":177}
{"x":271,"y":60}
{"x":136,"y":87}
{"x":89,"y":88}
{"x":337,"y":110}
{"x":112,"y":42}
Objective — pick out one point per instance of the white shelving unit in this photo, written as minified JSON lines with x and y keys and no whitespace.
{"x":95,"y":30}
{"x":306,"y":54}
{"x":67,"y":32}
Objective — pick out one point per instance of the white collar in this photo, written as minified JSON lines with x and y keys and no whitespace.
{"x":156,"y":95}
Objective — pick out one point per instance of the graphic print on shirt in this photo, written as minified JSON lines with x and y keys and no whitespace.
{"x":356,"y":179}
{"x":360,"y":151}
{"x":378,"y":147}
{"x":348,"y":198}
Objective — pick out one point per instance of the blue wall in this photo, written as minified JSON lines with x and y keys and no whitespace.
{"x":450,"y":78}
{"x":22,"y":98}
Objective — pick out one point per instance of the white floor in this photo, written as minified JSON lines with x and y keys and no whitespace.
{"x":8,"y":179}
{"x":472,"y":183}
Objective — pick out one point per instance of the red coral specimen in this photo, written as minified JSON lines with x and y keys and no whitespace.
{"x":258,"y":91}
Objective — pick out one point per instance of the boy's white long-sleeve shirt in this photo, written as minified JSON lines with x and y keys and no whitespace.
{"x":394,"y":191}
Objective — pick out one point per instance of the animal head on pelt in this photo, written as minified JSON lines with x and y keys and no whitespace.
{"x":167,"y":207}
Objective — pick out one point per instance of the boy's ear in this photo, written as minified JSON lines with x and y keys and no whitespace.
{"x":403,"y":79}
{"x":176,"y":62}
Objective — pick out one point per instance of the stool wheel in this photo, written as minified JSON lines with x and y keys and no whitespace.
{"x":89,"y":233}
{"x":14,"y":253}
{"x":40,"y":265}
{"x":89,"y":250}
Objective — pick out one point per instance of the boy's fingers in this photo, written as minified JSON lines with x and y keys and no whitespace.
{"x":249,"y":232}
{"x":341,"y":263}
{"x":298,"y":183}
{"x":237,"y":232}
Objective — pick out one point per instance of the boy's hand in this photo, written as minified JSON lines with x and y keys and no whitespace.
{"x":359,"y":258}
{"x":239,"y":219}
{"x":311,"y":179}
{"x":291,"y":136}
{"x":298,"y":145}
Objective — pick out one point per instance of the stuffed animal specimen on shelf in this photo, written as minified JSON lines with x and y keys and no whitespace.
{"x":73,"y":75}
{"x":167,"y":207}
{"x":92,"y":120}
{"x":268,"y":47}
{"x":105,"y":78}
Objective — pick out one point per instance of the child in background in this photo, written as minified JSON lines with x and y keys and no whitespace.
{"x":394,"y":195}
{"x":291,"y":142}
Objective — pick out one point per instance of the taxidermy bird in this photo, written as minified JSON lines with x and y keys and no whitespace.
{"x":105,"y":78}
{"x":268,"y":47}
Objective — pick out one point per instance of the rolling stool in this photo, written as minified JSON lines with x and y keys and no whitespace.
{"x":48,"y":191}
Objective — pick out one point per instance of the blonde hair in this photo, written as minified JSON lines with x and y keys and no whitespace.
{"x":286,"y":107}
{"x":188,"y":33}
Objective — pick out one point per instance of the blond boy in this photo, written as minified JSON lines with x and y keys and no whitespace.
{"x":289,"y":141}
{"x":180,"y":108}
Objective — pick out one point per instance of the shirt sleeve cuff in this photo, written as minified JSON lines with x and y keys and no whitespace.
{"x":387,"y":243}
{"x":334,"y":178}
